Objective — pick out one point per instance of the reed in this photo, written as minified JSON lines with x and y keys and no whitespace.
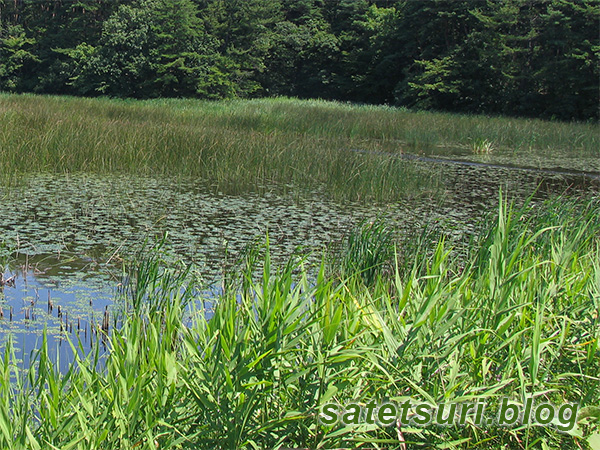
{"x":518,"y":315}
{"x":349,"y":150}
{"x":368,"y":250}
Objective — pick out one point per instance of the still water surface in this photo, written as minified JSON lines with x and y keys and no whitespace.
{"x":64,"y":237}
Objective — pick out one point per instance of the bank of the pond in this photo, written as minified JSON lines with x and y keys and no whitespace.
{"x":240,"y":145}
{"x":516,"y":315}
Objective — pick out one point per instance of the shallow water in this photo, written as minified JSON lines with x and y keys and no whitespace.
{"x":77,"y":309}
{"x":65,"y":237}
{"x":567,"y":160}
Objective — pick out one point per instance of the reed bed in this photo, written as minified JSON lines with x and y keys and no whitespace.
{"x":239,"y":145}
{"x":518,"y":315}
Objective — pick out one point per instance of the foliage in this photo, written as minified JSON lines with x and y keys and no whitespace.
{"x":518,"y":317}
{"x":151,"y":48}
{"x":367,"y":250}
{"x":517,"y":57}
{"x":15,"y":56}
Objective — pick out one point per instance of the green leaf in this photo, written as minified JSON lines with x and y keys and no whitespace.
{"x":594,"y":441}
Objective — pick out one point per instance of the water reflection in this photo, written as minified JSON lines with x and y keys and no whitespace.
{"x":38,"y":304}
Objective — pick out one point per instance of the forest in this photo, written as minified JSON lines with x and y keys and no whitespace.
{"x":531,"y":58}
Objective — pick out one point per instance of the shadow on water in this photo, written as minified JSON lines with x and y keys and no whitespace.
{"x":572,"y":174}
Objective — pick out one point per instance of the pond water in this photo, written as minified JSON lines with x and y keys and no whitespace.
{"x":64,"y":237}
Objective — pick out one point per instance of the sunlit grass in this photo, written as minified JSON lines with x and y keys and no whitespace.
{"x":240,"y":145}
{"x":226,"y":145}
{"x":518,"y":315}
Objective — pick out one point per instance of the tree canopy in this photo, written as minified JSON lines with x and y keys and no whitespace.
{"x":518,"y":57}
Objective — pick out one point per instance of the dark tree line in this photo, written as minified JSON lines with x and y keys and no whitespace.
{"x":518,"y":57}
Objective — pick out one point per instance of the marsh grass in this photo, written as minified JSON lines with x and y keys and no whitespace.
{"x":240,"y":145}
{"x":482,"y":147}
{"x":367,"y":250}
{"x":233,"y":147}
{"x":519,"y":316}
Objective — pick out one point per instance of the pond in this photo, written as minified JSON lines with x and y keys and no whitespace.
{"x":65,"y":237}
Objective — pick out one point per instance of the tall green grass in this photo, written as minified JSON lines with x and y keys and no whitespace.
{"x":368,"y":250}
{"x":518,"y":316}
{"x":224,"y":144}
{"x":240,"y":145}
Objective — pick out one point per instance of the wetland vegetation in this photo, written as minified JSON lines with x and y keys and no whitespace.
{"x":220,"y":215}
{"x":387,"y":267}
{"x":515,"y":316}
{"x":239,"y":145}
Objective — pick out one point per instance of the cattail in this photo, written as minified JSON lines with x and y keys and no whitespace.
{"x":106,"y":320}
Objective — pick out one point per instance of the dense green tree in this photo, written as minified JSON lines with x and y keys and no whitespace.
{"x":522,"y":57}
{"x":373,"y":56}
{"x":15,"y":57}
{"x":303,"y":58}
{"x":346,"y":19}
{"x":434,"y":34}
{"x":549,"y":55}
{"x":60,"y":24}
{"x":516,"y":57}
{"x":244,"y":31}
{"x":152,"y":48}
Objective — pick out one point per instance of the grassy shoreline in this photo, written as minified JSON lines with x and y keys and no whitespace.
{"x":513,"y":312}
{"x":518,"y":315}
{"x":238,"y":145}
